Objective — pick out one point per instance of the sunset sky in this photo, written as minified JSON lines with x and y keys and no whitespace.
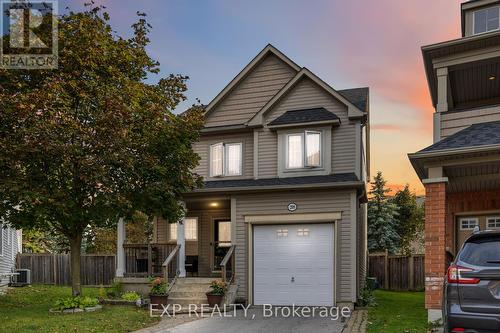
{"x":348,"y":43}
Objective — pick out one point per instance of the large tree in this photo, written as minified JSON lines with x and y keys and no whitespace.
{"x":410,"y":218}
{"x":382,"y":218}
{"x":91,"y":141}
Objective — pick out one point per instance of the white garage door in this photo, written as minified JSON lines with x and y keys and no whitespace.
{"x":293,"y":264}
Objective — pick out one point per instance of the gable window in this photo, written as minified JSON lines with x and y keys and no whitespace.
{"x":468,"y":223}
{"x":493,"y":223}
{"x":303,"y":150}
{"x":190,"y":229}
{"x":486,"y":20}
{"x":225,"y":159}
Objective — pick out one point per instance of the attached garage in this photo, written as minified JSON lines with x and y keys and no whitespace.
{"x":294,"y":264}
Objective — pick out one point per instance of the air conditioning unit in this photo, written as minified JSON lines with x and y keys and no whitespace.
{"x":21,"y":278}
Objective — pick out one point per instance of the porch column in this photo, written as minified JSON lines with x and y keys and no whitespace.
{"x":435,"y":244}
{"x":443,"y":96}
{"x":181,"y":257}
{"x":120,"y":251}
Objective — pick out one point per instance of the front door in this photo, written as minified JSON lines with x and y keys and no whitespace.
{"x":222,"y":242}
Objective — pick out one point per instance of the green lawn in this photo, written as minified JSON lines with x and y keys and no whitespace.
{"x":398,"y":312}
{"x":27,"y":310}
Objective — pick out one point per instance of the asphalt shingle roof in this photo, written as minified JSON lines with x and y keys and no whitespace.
{"x":357,"y":96}
{"x":335,"y":178}
{"x":476,"y":135}
{"x":304,"y":116}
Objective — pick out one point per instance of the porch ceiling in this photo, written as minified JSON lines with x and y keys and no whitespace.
{"x":475,"y":84}
{"x":215,"y":203}
{"x":474,"y":177}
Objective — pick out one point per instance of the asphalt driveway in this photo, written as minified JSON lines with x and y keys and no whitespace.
{"x":256,"y":322}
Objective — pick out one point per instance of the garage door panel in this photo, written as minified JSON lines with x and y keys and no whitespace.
{"x":293,"y":264}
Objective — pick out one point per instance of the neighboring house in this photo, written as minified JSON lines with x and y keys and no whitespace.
{"x":10,"y":246}
{"x":285,"y":159}
{"x":461,"y":170}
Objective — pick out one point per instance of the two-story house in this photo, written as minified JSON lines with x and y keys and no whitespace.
{"x":285,"y":159}
{"x":461,"y":170}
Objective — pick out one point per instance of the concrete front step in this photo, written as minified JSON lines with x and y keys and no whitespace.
{"x":185,"y":302}
{"x":187,"y":294}
{"x":194,"y":280}
{"x":191,"y":287}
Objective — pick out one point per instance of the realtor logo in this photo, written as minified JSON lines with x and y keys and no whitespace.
{"x":28,"y":34}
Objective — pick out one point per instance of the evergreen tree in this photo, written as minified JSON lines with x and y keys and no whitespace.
{"x":382,"y":218}
{"x":410,"y":218}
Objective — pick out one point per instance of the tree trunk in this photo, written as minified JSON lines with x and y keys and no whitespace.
{"x":76,"y":244}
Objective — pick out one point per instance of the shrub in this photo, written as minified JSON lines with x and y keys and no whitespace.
{"x":158,"y":287}
{"x":219,"y":287}
{"x":116,"y":290}
{"x":80,"y":302}
{"x":366,"y":297}
{"x":131,"y":296}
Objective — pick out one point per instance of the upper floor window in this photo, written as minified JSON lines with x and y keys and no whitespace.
{"x":486,"y":20}
{"x":225,"y":159}
{"x":303,"y":150}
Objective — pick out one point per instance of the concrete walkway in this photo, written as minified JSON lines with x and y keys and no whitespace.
{"x":253,"y":322}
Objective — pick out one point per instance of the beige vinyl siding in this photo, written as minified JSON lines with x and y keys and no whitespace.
{"x":202,"y":148}
{"x":318,"y":201}
{"x":252,"y":93}
{"x":362,"y":245}
{"x":307,"y":94}
{"x":8,"y":254}
{"x":452,"y":122}
{"x":268,"y":154}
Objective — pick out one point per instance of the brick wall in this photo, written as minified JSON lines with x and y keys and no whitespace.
{"x":435,"y":243}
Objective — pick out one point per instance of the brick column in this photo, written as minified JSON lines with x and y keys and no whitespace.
{"x":435,"y":245}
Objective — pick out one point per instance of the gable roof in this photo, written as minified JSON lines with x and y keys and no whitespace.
{"x":248,"y":68}
{"x":357,"y":96}
{"x":353,"y":111}
{"x":483,"y":134}
{"x":304,"y":116}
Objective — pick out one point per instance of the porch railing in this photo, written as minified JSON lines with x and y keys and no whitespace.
{"x":146,"y":259}
{"x":228,"y":265}
{"x":171,"y":259}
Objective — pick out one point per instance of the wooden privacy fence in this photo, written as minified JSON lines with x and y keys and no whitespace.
{"x":397,"y":272}
{"x":55,"y":269}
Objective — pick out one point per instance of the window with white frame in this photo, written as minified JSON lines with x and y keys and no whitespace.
{"x":493,"y":223}
{"x":468,"y":223}
{"x":172,"y":231}
{"x":190,"y":229}
{"x":226,"y":159}
{"x":224,"y":233}
{"x":303,"y":150}
{"x":487,"y":19}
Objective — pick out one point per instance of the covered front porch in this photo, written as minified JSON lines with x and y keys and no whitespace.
{"x":461,"y":175}
{"x":200,"y":245}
